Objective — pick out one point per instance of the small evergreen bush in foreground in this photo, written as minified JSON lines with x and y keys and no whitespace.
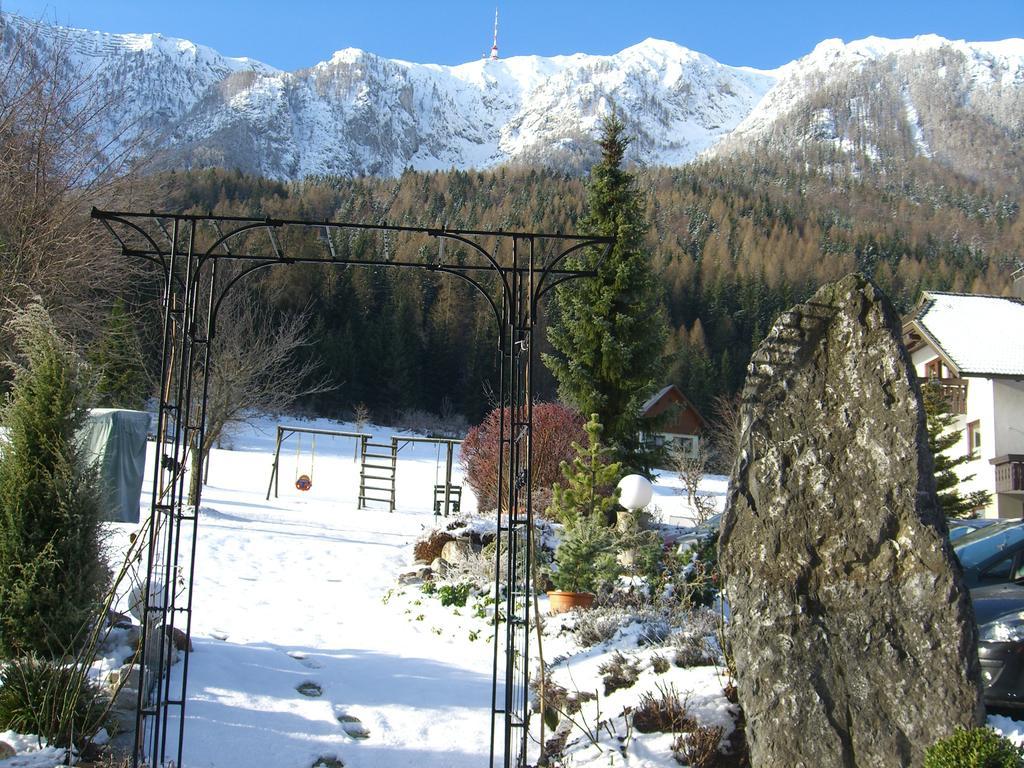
{"x":976,"y":748}
{"x":52,"y":576}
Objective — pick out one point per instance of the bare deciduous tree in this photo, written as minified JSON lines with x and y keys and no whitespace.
{"x":691,"y":468}
{"x":725,"y":433}
{"x":255,"y":368}
{"x":53,"y":169}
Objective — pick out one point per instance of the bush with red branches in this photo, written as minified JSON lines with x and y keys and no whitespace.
{"x":555,"y":428}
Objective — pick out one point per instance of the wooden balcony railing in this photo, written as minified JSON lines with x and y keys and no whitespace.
{"x":1009,"y":473}
{"x":954,"y":390}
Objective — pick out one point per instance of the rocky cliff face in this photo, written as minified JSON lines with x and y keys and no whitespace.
{"x":887,"y":101}
{"x":362,"y":114}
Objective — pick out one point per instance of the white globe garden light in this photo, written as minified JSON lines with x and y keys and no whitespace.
{"x":635,"y":492}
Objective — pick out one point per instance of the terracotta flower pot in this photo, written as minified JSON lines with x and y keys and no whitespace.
{"x":560,"y":602}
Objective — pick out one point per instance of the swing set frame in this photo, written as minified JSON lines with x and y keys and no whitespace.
{"x":449,"y":442}
{"x":284,"y":432}
{"x":199,"y":259}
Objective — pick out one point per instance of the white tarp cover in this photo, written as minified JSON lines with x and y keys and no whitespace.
{"x":116,"y":440}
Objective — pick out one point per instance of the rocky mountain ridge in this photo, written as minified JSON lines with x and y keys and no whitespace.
{"x":361,"y":114}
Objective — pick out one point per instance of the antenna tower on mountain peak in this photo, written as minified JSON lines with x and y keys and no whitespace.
{"x":494,"y":48}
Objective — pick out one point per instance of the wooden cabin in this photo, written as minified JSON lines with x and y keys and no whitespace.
{"x":670,"y":420}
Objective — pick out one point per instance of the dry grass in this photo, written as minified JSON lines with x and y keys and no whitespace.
{"x":429,"y":549}
{"x":662,"y":712}
{"x":698,"y":748}
{"x":619,"y":672}
{"x":659,"y":664}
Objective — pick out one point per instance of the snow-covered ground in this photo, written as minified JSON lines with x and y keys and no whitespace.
{"x":302,"y":589}
{"x":295,"y":586}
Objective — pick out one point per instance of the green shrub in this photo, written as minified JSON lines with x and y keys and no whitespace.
{"x":52,"y":576}
{"x":974,"y":748}
{"x":50,"y":699}
{"x":454,"y":594}
{"x":586,"y":556}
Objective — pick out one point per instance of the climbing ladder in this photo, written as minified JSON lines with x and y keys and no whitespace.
{"x":377,"y":468}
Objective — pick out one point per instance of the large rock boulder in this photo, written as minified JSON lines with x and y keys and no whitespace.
{"x":853,"y":636}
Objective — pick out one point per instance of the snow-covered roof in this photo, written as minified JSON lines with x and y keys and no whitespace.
{"x":655,"y":398}
{"x":979,"y":335}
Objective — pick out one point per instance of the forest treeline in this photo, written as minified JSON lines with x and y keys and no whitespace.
{"x":735,"y":242}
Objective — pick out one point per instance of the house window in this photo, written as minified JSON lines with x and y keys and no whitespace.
{"x":933,"y":369}
{"x":974,"y":439}
{"x":686,"y":445}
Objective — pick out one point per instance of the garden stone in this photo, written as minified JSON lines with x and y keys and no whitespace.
{"x":6,"y":750}
{"x":119,"y":620}
{"x":152,"y":651}
{"x":128,"y":673}
{"x":415,"y":576}
{"x":124,"y":707}
{"x":179,"y":639}
{"x":853,"y":635}
{"x":457,"y":551}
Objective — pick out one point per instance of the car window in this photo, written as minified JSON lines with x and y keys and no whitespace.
{"x":999,"y":571}
{"x":977,"y":547}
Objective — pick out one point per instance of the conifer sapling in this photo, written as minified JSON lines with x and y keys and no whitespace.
{"x":585,"y":504}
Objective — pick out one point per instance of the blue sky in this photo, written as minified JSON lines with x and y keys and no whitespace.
{"x":294,"y":33}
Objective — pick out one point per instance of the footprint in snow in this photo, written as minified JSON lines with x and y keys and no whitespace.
{"x":351,"y":724}
{"x":310,"y":689}
{"x":304,"y":660}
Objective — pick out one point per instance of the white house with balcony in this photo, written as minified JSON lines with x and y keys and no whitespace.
{"x":974,"y":346}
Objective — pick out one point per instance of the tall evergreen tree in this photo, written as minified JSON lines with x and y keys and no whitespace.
{"x":52,"y":575}
{"x":608,"y":332}
{"x":121,"y":380}
{"x":941,"y":437}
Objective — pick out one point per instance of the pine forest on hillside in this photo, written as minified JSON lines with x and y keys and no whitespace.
{"x":733,"y":241}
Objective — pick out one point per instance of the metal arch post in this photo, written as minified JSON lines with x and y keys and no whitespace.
{"x":156,"y":507}
{"x":196,"y":438}
{"x":517,"y":502}
{"x":500,"y":502}
{"x":178,"y":301}
{"x":170,"y":573}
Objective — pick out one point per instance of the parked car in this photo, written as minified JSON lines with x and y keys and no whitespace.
{"x":999,"y":612}
{"x":992,"y":557}
{"x":993,"y":554}
{"x":698,"y":533}
{"x":960,"y":528}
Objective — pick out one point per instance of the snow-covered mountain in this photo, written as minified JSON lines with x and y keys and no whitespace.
{"x":890,"y":100}
{"x":362,"y":114}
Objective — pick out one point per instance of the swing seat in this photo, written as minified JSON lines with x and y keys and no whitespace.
{"x":454,"y":498}
{"x":303,"y":482}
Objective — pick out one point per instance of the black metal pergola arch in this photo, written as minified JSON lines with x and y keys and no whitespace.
{"x":188,"y":250}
